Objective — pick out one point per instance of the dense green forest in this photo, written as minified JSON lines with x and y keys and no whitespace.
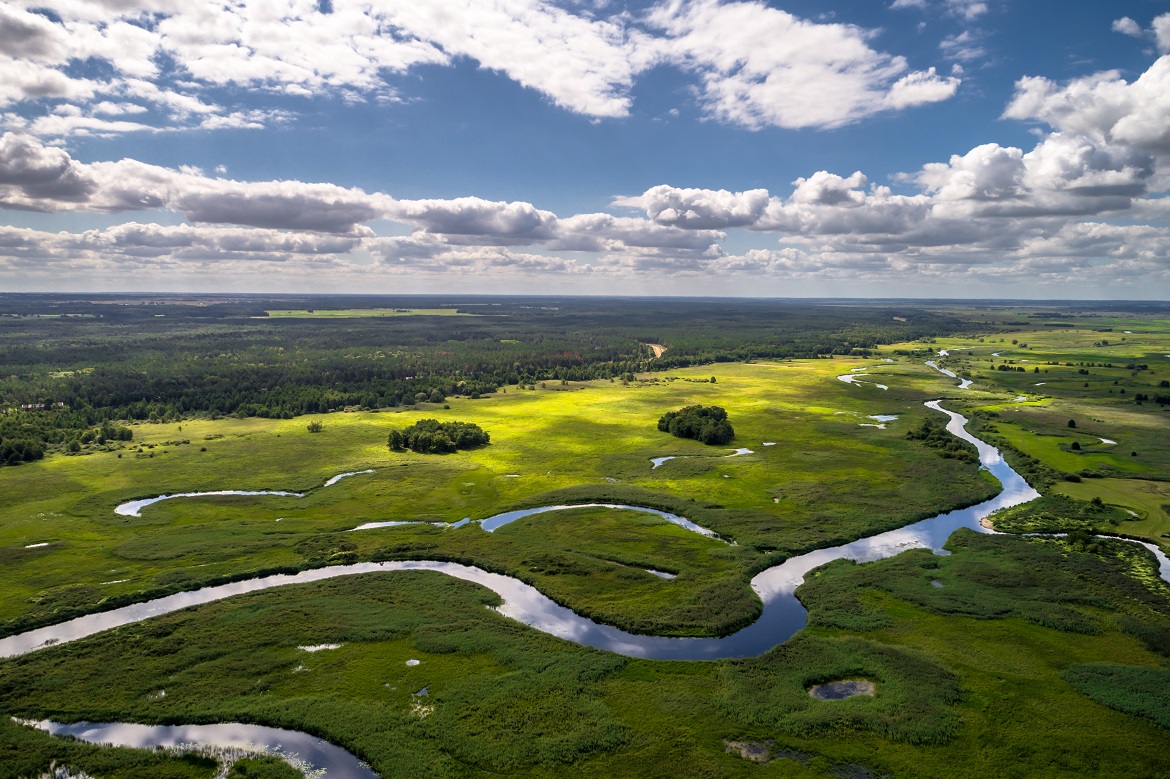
{"x":70,"y":365}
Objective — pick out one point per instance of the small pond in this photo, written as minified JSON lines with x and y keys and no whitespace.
{"x":839,"y":691}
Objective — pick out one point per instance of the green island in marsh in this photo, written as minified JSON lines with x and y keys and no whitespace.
{"x":1012,"y":655}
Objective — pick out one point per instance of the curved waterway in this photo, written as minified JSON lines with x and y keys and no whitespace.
{"x":782,"y":614}
{"x":313,"y":756}
{"x":133,"y":508}
{"x":499,"y":520}
{"x":963,"y":383}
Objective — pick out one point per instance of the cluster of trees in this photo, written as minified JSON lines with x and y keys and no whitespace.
{"x":934,"y":434}
{"x":20,"y":450}
{"x":430,"y":436}
{"x":708,"y":424}
{"x":26,"y":436}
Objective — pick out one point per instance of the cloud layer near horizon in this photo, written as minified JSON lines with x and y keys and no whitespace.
{"x":994,"y":210}
{"x":1083,"y":205}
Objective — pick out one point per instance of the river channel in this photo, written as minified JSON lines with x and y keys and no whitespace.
{"x":782,"y":616}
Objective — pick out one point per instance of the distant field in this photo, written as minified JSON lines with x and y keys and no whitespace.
{"x":1090,"y":371}
{"x":1150,"y":500}
{"x":361,"y":313}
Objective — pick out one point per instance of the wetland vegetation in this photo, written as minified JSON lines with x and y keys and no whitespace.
{"x":1013,"y":655}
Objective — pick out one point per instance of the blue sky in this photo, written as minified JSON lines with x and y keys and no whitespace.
{"x":937,"y":148}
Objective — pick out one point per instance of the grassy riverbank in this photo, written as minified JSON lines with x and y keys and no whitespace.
{"x":1087,"y":367}
{"x":978,"y":661}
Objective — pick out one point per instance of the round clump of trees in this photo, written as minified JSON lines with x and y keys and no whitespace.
{"x":708,"y":424}
{"x":430,"y":436}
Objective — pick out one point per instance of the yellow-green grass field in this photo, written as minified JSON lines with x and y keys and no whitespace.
{"x":827,"y":479}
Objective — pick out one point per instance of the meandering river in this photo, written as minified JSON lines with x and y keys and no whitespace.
{"x":782,"y":615}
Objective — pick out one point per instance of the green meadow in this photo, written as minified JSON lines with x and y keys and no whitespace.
{"x":827,"y":479}
{"x":1011,"y":656}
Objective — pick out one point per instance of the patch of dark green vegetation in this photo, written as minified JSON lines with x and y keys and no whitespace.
{"x":933,"y":433}
{"x":1058,"y":514}
{"x":264,"y":767}
{"x":25,"y":436}
{"x":1057,"y":583}
{"x":913,"y":706}
{"x":707,"y":424}
{"x":500,"y":695}
{"x":430,"y":436}
{"x":27,"y":752}
{"x":505,"y":699}
{"x":1142,"y":691}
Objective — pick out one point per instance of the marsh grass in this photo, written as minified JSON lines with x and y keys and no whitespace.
{"x":505,"y":699}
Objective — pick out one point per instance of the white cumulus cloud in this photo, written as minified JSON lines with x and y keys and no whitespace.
{"x":761,"y":66}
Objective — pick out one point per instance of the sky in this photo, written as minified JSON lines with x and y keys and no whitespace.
{"x":839,"y":148}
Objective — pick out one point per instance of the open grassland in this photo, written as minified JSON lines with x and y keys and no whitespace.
{"x":1148,"y":500}
{"x":826,"y":479}
{"x":968,"y":675}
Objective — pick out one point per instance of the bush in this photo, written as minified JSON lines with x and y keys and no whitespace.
{"x":709,"y":425}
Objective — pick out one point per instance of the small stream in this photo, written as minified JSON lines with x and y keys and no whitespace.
{"x":963,"y":383}
{"x":311,"y":755}
{"x":133,"y":508}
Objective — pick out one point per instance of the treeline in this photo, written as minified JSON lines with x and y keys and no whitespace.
{"x":430,"y":436}
{"x":25,"y":436}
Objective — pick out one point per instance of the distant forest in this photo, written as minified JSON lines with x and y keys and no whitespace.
{"x":71,"y":365}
